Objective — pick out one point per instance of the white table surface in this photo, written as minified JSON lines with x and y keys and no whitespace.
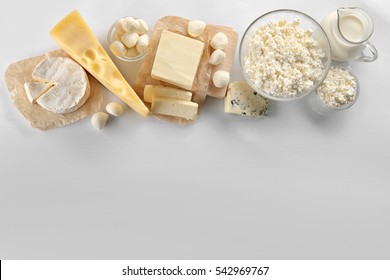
{"x":293,"y":186}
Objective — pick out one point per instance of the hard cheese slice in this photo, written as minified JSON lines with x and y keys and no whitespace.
{"x":177,"y":59}
{"x":241,"y":99}
{"x":75,"y":37}
{"x":151,"y":92}
{"x":172,"y":107}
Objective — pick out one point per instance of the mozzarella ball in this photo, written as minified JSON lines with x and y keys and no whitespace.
{"x":221,"y":79}
{"x":117,"y":48}
{"x":196,"y":28}
{"x":219,"y":41}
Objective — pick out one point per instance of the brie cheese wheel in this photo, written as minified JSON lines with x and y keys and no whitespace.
{"x":60,"y":85}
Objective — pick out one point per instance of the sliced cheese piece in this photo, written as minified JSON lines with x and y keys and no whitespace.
{"x":34,"y":90}
{"x":76,"y":38}
{"x":174,"y":107}
{"x":241,"y":99}
{"x":151,"y":92}
{"x":64,"y":85}
{"x":177,"y":59}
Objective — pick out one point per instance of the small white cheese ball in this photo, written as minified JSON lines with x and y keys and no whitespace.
{"x":99,"y":120}
{"x":142,"y":43}
{"x":119,"y":26}
{"x":219,"y":41}
{"x":130,"y":39}
{"x":130,"y":25}
{"x":221,"y":79}
{"x":132,"y":52}
{"x":114,"y":109}
{"x":217,"y":57}
{"x":117,"y":36}
{"x":196,"y":28}
{"x":117,"y":48}
{"x":143,"y":27}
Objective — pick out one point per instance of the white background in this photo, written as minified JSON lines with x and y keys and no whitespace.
{"x":293,"y":186}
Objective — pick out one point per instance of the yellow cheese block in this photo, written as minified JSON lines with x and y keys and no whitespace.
{"x":177,"y":59}
{"x":76,"y":38}
{"x":151,"y":92}
{"x":174,"y":107}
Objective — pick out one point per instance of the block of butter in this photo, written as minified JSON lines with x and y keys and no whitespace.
{"x":177,"y":59}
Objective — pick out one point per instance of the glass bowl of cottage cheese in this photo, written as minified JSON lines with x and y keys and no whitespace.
{"x":338,"y":92}
{"x":284,"y":55}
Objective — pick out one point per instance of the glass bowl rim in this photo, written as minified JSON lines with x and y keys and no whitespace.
{"x":357,"y":90}
{"x":300,"y":94}
{"x":110,"y":36}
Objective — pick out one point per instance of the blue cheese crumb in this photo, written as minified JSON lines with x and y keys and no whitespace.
{"x":242,"y":100}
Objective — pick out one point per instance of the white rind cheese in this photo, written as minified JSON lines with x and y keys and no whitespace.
{"x":177,"y":59}
{"x":151,"y":92}
{"x":34,"y":90}
{"x":60,"y":85}
{"x":173,"y":107}
{"x":241,"y":99}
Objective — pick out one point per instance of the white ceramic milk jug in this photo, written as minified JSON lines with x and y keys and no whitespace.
{"x":348,"y":30}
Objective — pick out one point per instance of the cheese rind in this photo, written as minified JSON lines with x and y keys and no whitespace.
{"x":177,"y":59}
{"x":241,"y":99}
{"x":151,"y":92}
{"x":173,"y":107}
{"x":76,"y":38}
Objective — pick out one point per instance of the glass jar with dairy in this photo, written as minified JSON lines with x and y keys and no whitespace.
{"x":348,"y":31}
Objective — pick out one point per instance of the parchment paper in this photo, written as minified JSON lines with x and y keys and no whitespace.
{"x":227,"y":64}
{"x":202,"y":79}
{"x":20,"y":72}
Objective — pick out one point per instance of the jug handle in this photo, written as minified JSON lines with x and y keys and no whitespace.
{"x":372,"y":56}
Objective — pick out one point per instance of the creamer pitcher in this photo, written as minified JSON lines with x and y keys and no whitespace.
{"x":348,"y":30}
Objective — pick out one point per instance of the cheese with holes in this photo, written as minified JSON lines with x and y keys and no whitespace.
{"x":76,"y":38}
{"x":241,"y":99}
{"x":60,"y":85}
{"x":177,"y":59}
{"x":173,"y":107}
{"x":151,"y":92}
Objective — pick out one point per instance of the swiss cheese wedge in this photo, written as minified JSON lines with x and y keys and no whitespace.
{"x":76,"y":38}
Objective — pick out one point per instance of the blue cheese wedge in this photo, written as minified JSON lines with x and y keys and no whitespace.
{"x":241,"y":99}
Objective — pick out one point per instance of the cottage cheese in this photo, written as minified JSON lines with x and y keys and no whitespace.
{"x":339,"y":88}
{"x":283,"y":59}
